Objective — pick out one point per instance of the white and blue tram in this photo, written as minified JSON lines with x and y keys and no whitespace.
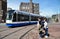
{"x":20,"y":18}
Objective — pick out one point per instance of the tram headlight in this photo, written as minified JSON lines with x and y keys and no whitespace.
{"x":8,"y":21}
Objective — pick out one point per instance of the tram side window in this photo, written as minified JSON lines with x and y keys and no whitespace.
{"x":20,"y":17}
{"x":33,"y":18}
{"x":24,"y":18}
{"x":14,"y":17}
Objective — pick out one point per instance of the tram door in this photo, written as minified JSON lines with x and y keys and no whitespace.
{"x":14,"y":17}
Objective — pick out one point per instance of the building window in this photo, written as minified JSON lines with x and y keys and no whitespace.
{"x":28,"y":8}
{"x":34,"y":5}
{"x":23,"y":7}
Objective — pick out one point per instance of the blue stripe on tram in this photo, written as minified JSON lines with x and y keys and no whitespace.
{"x":20,"y":24}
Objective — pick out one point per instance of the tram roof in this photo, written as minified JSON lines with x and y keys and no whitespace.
{"x":25,"y":13}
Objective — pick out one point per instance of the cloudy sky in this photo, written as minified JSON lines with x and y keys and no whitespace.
{"x":46,"y":7}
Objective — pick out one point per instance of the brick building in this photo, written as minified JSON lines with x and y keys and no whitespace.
{"x":3,"y":9}
{"x":29,"y":7}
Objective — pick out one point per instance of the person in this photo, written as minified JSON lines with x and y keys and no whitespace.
{"x":46,"y":28}
{"x":38,"y":24}
{"x":43,"y":29}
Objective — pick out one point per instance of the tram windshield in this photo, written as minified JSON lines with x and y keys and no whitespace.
{"x":9,"y":15}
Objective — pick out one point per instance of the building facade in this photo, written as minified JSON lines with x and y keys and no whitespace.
{"x":56,"y":17}
{"x":3,"y":10}
{"x":29,"y":7}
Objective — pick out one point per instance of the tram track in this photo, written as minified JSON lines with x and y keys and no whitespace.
{"x":3,"y":35}
{"x":5,"y":29}
{"x":8,"y":28}
{"x":18,"y":33}
{"x":26,"y":33}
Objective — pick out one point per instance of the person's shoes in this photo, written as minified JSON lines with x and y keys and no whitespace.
{"x":42,"y":36}
{"x":41,"y":32}
{"x":46,"y":36}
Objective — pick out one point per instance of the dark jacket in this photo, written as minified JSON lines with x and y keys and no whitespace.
{"x":41,"y":23}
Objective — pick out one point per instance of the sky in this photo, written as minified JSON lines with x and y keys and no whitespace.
{"x":46,"y":7}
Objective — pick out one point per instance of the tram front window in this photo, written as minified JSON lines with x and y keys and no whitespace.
{"x":9,"y":15}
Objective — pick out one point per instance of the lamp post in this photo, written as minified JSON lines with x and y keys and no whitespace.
{"x":58,"y":15}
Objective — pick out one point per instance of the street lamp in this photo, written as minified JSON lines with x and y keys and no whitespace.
{"x":58,"y":15}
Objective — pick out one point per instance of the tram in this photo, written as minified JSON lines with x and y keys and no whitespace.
{"x":20,"y":18}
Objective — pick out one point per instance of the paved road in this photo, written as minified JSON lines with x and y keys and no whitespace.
{"x":16,"y":33}
{"x":13,"y":33}
{"x":54,"y":30}
{"x":3,"y":27}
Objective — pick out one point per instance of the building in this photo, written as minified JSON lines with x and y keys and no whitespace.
{"x":29,"y":7}
{"x":56,"y":17}
{"x":3,"y":10}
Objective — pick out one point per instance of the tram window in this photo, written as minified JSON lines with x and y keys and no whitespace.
{"x":9,"y":16}
{"x":34,"y":18}
{"x":14,"y":17}
{"x":24,"y":18}
{"x":20,"y":17}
